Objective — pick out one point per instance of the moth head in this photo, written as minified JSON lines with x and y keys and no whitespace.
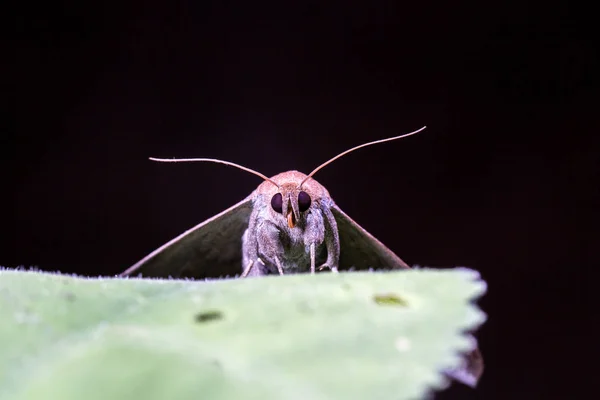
{"x":291,"y":202}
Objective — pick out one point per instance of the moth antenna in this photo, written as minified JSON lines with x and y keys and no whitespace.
{"x":356,"y":148}
{"x":214,"y":160}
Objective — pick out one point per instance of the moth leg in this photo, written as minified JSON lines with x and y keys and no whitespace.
{"x":332,"y":241}
{"x":312,"y":258}
{"x":250,"y":253}
{"x":333,"y":269}
{"x":247,"y":269}
{"x":322,"y":267}
{"x":270,"y":247}
{"x":279,"y":268}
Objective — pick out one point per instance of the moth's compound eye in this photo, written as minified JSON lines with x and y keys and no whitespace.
{"x":303,"y":201}
{"x":277,"y":202}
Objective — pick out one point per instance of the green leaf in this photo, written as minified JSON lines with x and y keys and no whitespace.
{"x":355,"y":335}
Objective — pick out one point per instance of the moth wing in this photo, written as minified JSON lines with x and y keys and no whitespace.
{"x":361,"y":250}
{"x":470,"y":369}
{"x":210,"y":249}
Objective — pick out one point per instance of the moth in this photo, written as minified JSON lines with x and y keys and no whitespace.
{"x":289,"y":224}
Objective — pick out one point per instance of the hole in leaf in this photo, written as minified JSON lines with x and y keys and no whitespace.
{"x":304,"y":308}
{"x":208,"y":316}
{"x":390,"y":300}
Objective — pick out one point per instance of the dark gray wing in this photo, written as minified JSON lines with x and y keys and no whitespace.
{"x":211,"y":249}
{"x":359,"y":249}
{"x":470,"y":369}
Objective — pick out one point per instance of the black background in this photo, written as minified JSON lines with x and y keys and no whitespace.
{"x":504,"y":180}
